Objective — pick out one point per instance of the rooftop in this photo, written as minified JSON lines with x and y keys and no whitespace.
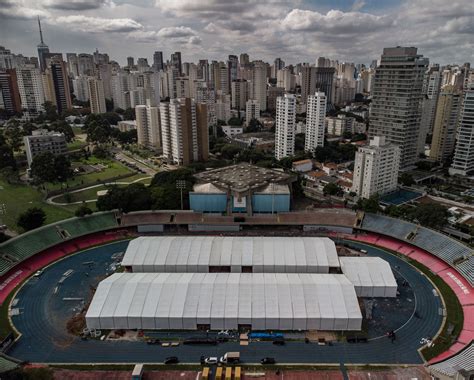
{"x":243,"y":177}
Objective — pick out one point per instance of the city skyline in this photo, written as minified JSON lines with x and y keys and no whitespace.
{"x":353,"y":31}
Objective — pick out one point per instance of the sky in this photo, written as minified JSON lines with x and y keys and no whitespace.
{"x":296,"y":31}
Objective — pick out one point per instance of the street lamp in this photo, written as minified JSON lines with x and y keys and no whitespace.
{"x":181,"y":185}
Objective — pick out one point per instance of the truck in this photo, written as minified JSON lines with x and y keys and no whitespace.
{"x":137,"y":372}
{"x":230,"y":358}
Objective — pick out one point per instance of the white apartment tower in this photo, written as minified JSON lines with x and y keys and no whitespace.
{"x":252,"y":110}
{"x":397,"y":101}
{"x":30,"y":86}
{"x":376,"y":168}
{"x":259,"y":83}
{"x":463,"y":162}
{"x":315,"y":121}
{"x":148,"y":126}
{"x":285,"y":126}
{"x":96,"y":95}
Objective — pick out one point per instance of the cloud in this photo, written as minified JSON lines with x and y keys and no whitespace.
{"x":14,"y":10}
{"x":176,"y":32}
{"x":358,"y":5}
{"x":97,"y":24}
{"x":334,"y":21}
{"x":76,"y":5}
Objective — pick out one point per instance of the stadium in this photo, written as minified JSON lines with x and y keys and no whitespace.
{"x":340,"y":260}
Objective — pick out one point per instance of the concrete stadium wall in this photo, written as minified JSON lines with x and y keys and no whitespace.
{"x":265,"y":203}
{"x":208,"y":202}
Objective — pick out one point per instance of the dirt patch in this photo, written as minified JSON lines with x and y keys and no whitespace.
{"x":76,"y":324}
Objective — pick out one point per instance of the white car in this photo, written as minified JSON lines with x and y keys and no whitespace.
{"x":39,"y":273}
{"x":211,"y":360}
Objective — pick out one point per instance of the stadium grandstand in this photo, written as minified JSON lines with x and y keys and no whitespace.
{"x":20,"y":248}
{"x":459,"y":366}
{"x":451,"y":251}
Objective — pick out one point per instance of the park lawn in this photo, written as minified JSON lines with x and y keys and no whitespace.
{"x":113,"y":169}
{"x":18,"y":198}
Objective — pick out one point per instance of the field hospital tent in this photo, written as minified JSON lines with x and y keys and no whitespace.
{"x":202,"y":254}
{"x":261,"y":301}
{"x":371,"y":276}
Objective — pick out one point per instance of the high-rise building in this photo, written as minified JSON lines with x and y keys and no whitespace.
{"x":80,"y":88}
{"x":445,"y":123}
{"x":240,"y":94}
{"x":233,"y":65}
{"x":72,"y":64}
{"x":30,"y":86}
{"x":272,"y":94}
{"x":185,"y":132}
{"x":431,"y":89}
{"x":148,"y":126}
{"x":9,"y":92}
{"x":317,"y":79}
{"x":285,"y":126}
{"x":120,"y":83}
{"x":222,"y":107}
{"x":42,"y":141}
{"x":130,"y":61}
{"x":252,"y":110}
{"x":396,"y":101}
{"x":463,"y":161}
{"x":142,"y":65}
{"x":43,"y":49}
{"x":376,"y":168}
{"x":315,"y":121}
{"x":278,"y":65}
{"x":57,"y":84}
{"x":337,"y":126}
{"x":259,"y":83}
{"x":286,"y":79}
{"x":7,"y":59}
{"x":96,"y":95}
{"x":244,"y":59}
{"x":158,"y":61}
{"x":176,"y":62}
{"x":86,"y":65}
{"x":207,"y":95}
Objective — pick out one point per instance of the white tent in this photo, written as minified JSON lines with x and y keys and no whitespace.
{"x":266,"y":301}
{"x":371,"y":276}
{"x":262,"y":254}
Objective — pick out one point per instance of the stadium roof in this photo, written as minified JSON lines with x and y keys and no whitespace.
{"x":243,"y":177}
{"x":266,"y":301}
{"x":263,"y":254}
{"x":371,"y":276}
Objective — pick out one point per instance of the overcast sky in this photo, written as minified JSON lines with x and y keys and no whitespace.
{"x":296,"y":31}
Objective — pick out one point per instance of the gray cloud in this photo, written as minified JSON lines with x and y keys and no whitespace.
{"x":97,"y":24}
{"x":75,"y":5}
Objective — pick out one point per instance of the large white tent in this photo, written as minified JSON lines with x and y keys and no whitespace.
{"x":259,"y":254}
{"x":266,"y":301}
{"x":371,"y":276}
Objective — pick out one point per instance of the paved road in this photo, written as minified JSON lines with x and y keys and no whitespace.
{"x":43,"y":317}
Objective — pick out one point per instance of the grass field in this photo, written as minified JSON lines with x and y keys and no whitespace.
{"x":18,"y":198}
{"x":112,"y":170}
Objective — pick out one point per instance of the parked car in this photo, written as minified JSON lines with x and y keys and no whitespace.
{"x":279,"y":342}
{"x":171,"y":360}
{"x":153,"y":341}
{"x":268,"y":361}
{"x":38,"y":273}
{"x":210,"y":360}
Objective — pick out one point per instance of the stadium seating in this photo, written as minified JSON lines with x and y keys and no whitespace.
{"x":447,"y":249}
{"x":7,"y":364}
{"x":462,"y":361}
{"x":387,"y":226}
{"x":32,"y":242}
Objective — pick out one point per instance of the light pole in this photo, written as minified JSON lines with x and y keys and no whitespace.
{"x":181,"y":185}
{"x":272,"y":187}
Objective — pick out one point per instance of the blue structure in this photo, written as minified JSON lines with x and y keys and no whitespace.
{"x":241,"y":189}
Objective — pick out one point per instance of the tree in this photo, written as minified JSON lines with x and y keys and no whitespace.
{"x":83,"y":210}
{"x":129,"y":114}
{"x":50,"y":111}
{"x":235,"y":121}
{"x":14,"y":135}
{"x":431,"y":215}
{"x":109,"y":105}
{"x":332,"y":189}
{"x":32,"y":218}
{"x":254,"y":126}
{"x":7,"y":159}
{"x":112,"y":117}
{"x":369,"y":205}
{"x":299,"y":142}
{"x":229,"y":151}
{"x":62,"y":127}
{"x":406,"y":179}
{"x":131,"y":198}
{"x":49,"y":168}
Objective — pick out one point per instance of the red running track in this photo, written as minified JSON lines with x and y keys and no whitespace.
{"x":455,"y":281}
{"x":15,"y":276}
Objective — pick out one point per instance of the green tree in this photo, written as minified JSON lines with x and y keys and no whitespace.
{"x":7,"y":159}
{"x":49,"y":168}
{"x":129,"y":114}
{"x":131,"y":198}
{"x":14,"y":134}
{"x":229,"y":151}
{"x":83,"y":210}
{"x":369,"y":205}
{"x":50,"y":111}
{"x":32,"y":218}
{"x":431,"y":215}
{"x":406,"y":179}
{"x":332,"y":189}
{"x":235,"y":121}
{"x":62,"y":168}
{"x":62,"y":127}
{"x":254,"y":126}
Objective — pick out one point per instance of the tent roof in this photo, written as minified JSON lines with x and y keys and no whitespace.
{"x":271,"y":254}
{"x":368,"y":271}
